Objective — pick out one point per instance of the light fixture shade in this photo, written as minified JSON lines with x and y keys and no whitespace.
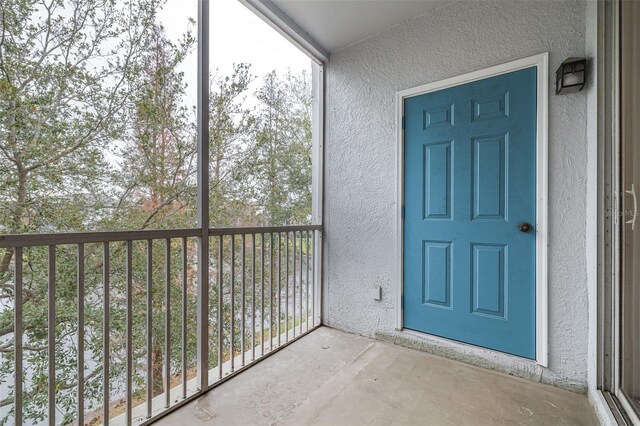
{"x":571,"y":76}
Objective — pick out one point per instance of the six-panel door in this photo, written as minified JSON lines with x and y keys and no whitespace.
{"x":470,"y":192}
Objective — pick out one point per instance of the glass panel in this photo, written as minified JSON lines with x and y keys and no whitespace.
{"x":573,"y":79}
{"x":630,"y":363}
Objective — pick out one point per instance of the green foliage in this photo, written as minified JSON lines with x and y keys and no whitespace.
{"x":280,"y":161}
{"x":97,"y":133}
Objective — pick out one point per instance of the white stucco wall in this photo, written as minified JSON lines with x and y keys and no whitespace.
{"x":591,"y":243}
{"x":360,"y":149}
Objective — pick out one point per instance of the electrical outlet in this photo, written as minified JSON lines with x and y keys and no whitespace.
{"x":377,"y":293}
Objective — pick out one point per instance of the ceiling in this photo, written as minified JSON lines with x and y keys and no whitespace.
{"x":335,"y":24}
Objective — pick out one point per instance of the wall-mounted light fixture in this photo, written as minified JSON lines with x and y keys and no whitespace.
{"x":571,"y":76}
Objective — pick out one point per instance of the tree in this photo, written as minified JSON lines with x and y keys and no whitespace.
{"x":230,"y":124}
{"x":157,"y":178}
{"x":281,"y":155}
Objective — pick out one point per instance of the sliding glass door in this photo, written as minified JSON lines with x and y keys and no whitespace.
{"x":629,"y":390}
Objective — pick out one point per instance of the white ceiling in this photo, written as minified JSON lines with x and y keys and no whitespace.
{"x":335,"y":24}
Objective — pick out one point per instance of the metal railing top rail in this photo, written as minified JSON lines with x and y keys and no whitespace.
{"x":62,"y":238}
{"x":263,"y":229}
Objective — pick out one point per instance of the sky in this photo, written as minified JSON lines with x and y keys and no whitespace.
{"x":236,"y":35}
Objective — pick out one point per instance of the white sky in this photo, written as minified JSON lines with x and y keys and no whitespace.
{"x":236,"y":35}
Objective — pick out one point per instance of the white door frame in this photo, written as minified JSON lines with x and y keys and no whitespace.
{"x":541,"y":62}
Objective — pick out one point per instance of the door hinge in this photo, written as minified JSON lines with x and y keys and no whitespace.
{"x":403,"y":122}
{"x":402,"y":212}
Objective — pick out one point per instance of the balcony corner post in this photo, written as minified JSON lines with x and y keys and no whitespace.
{"x":203,"y":194}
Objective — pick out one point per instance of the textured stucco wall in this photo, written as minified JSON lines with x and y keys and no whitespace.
{"x":360,"y":159}
{"x":591,"y":243}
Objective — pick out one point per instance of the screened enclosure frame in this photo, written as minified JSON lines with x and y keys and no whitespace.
{"x":309,"y":235}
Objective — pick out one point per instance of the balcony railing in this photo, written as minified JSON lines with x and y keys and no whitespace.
{"x":261,"y":293}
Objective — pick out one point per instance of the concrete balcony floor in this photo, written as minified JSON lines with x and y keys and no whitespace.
{"x":333,"y":378}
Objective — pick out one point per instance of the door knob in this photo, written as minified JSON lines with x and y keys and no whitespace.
{"x":525,"y":227}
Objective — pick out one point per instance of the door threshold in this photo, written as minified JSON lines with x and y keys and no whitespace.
{"x":481,"y":357}
{"x":469,"y":346}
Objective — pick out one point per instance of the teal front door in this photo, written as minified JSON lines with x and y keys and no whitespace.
{"x":470,"y":213}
